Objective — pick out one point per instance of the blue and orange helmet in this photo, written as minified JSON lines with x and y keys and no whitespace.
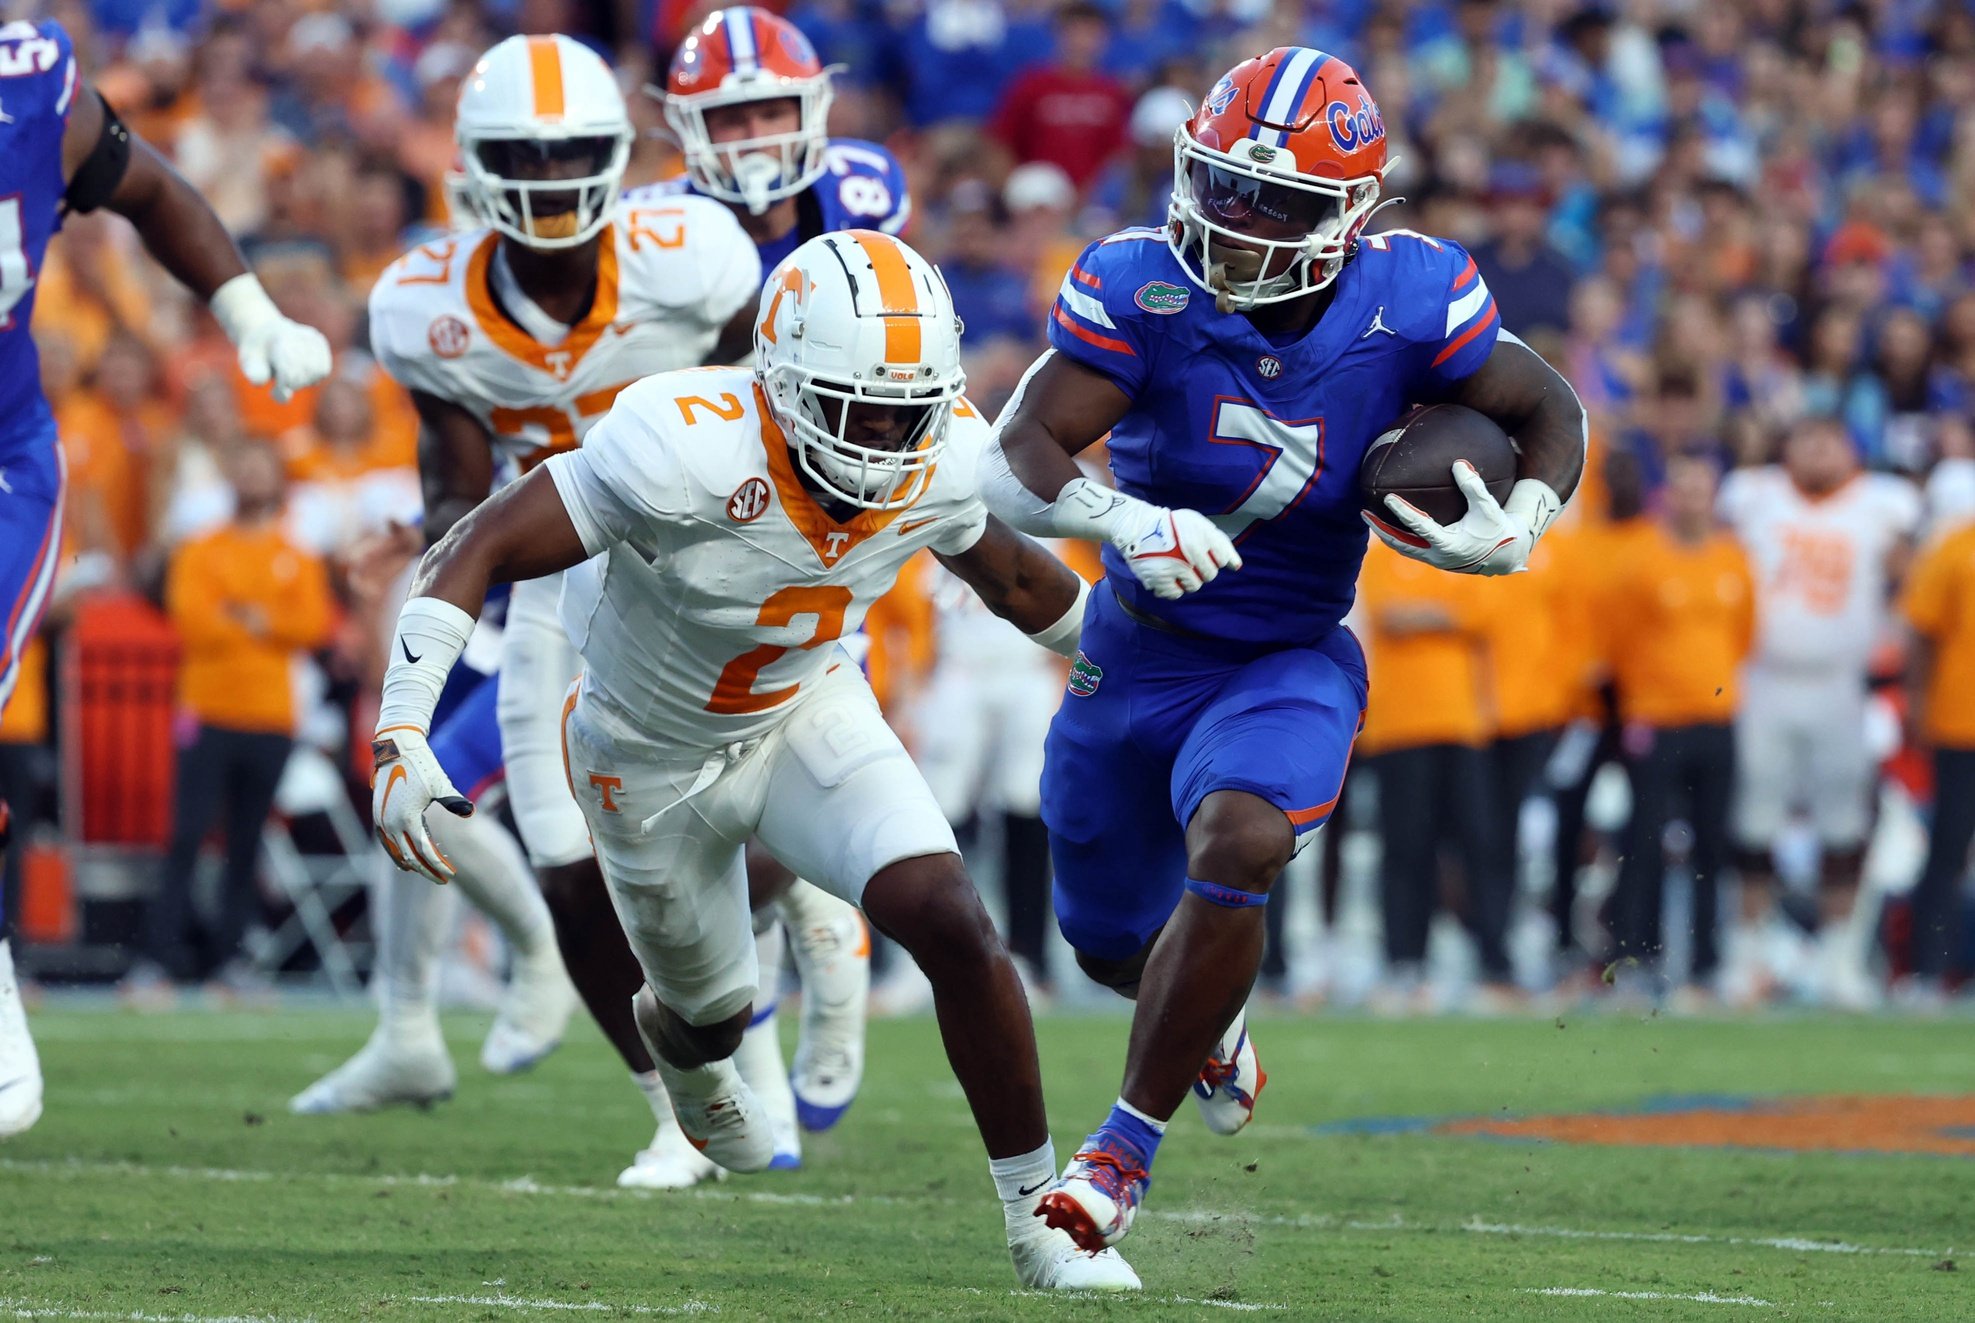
{"x":1275,"y":176}
{"x":743,"y":54}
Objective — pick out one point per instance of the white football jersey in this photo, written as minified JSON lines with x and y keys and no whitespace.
{"x":1820,"y":563}
{"x":725,"y":585}
{"x":670,"y":277}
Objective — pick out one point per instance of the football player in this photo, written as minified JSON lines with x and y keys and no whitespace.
{"x":63,"y":149}
{"x":514,"y":339}
{"x":1827,"y":543}
{"x":749,"y":103}
{"x":743,"y":521}
{"x":1241,"y":360}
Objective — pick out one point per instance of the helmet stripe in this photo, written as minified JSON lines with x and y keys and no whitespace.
{"x":545,"y":72}
{"x":740,"y":39}
{"x":896,"y":295}
{"x":1286,"y":93}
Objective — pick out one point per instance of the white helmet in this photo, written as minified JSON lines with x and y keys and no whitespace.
{"x":738,"y":55}
{"x":532,"y":109}
{"x":852,"y":320}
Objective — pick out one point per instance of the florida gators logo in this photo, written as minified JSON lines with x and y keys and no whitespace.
{"x":1222,"y":96}
{"x":1352,"y":129}
{"x":1085,"y":676}
{"x":1162,"y":297}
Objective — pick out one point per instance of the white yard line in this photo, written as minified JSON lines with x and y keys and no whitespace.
{"x":1699,"y":1297}
{"x":505,"y":1301}
{"x":1189,"y":1216}
{"x":21,"y":1309}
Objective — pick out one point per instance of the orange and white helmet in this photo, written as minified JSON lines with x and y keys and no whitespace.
{"x":1274,"y":177}
{"x":738,"y":55}
{"x":858,"y":352}
{"x":544,"y":137}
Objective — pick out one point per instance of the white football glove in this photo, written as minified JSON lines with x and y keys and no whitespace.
{"x":271,"y":347}
{"x":407,"y":779}
{"x":1172,"y":552}
{"x":1491,"y":538}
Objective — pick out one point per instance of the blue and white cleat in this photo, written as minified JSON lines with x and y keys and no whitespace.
{"x":1231,"y":1080}
{"x":1098,"y":1194}
{"x":533,"y":1015}
{"x":832,"y":952}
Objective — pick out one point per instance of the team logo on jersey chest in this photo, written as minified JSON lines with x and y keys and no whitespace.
{"x":1269,"y":366}
{"x":448,"y":336}
{"x":1161,"y":297}
{"x":1085,"y":676}
{"x":749,"y":501}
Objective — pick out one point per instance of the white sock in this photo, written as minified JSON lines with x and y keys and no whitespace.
{"x":759,"y":1059}
{"x":805,"y":905}
{"x":653,"y":1088}
{"x":1157,"y":1126}
{"x":1019,"y":1180}
{"x":769,"y":945}
{"x":493,"y":873}
{"x":414,"y":922}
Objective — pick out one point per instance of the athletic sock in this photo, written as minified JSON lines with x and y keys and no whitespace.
{"x":653,"y":1088}
{"x":1140,"y":1132}
{"x":1019,"y":1180}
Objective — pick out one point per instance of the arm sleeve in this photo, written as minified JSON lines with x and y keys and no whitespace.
{"x":622,"y":481}
{"x":1095,"y":321}
{"x":1457,"y":326}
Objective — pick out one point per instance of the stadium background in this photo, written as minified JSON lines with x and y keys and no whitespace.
{"x":1715,"y":219}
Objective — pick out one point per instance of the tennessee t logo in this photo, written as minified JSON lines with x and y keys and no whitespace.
{"x":836,"y":541}
{"x":608,"y":786}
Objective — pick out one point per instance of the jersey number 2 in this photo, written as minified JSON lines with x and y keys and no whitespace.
{"x":1293,"y":460}
{"x":734,"y":695}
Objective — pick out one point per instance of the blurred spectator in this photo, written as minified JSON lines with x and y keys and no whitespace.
{"x":1067,"y":112}
{"x":1424,"y":738}
{"x":1529,"y":278}
{"x":957,"y":56}
{"x":1137,"y":186}
{"x":1040,"y":200}
{"x":1676,"y":616}
{"x":229,"y":147}
{"x":991,"y":294}
{"x":246,"y":602}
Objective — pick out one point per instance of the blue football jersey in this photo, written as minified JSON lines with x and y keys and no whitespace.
{"x":862,"y":188}
{"x":38,"y":79}
{"x":1266,"y":434}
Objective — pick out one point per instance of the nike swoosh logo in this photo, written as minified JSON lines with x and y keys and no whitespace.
{"x":391,"y":783}
{"x":404,"y":646}
{"x":911,"y":524}
{"x":1026,"y":1190}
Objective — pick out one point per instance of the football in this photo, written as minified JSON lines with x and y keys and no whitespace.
{"x":1414,"y":459}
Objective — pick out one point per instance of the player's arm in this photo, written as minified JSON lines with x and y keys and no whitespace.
{"x":1030,"y":479}
{"x":108,"y":165}
{"x":1531,"y":401}
{"x":522,"y":532}
{"x":455,"y":462}
{"x":1023,"y":584}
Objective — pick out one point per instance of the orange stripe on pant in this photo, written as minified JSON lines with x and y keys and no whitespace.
{"x":545,"y":71}
{"x":895,"y":292}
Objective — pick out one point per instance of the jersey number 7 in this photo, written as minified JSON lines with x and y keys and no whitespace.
{"x":1293,"y":460}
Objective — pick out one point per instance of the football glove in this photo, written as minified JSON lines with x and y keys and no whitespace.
{"x":1171,"y":552}
{"x":271,"y":347}
{"x":406,"y":779}
{"x":1491,"y":538}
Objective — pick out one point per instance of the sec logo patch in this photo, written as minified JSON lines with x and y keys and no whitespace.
{"x":448,"y":337}
{"x":1269,"y":366}
{"x":749,"y":501}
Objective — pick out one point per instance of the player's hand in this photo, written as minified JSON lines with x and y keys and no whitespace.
{"x":407,"y":779}
{"x":271,"y":346}
{"x":1177,"y":552}
{"x":1490,"y":538}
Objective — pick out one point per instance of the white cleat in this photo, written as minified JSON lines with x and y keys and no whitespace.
{"x":393,"y":1067}
{"x":533,"y":1015}
{"x":20,"y":1067}
{"x":759,"y":1060}
{"x":833,"y":962}
{"x":671,"y":1163}
{"x":1048,"y":1260}
{"x":1231,"y":1080}
{"x":720,"y":1115}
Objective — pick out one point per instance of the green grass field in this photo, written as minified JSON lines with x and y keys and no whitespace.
{"x":168,"y":1182}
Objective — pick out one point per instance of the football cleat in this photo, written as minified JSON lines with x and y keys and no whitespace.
{"x":533,"y":1015}
{"x":1098,"y":1194}
{"x":759,"y":1060}
{"x":1048,"y":1260}
{"x":720,"y":1115}
{"x":393,"y":1067}
{"x":20,"y":1067}
{"x":1231,"y":1080}
{"x":670,"y":1163}
{"x":833,"y":961}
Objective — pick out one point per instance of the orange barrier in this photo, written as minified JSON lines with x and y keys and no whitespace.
{"x":120,"y":680}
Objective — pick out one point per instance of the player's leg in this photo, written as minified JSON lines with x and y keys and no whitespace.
{"x":759,"y":1056}
{"x":672,"y":866}
{"x":1766,"y":776}
{"x":842,"y":803}
{"x":1474,"y":808}
{"x":1408,"y":868}
{"x":832,"y":954}
{"x":1937,"y":895}
{"x":1261,"y":767}
{"x":1025,"y":702}
{"x":30,"y":546}
{"x":1842,"y":783}
{"x":1639,"y":892}
{"x":256,"y":760}
{"x":1711,"y":790}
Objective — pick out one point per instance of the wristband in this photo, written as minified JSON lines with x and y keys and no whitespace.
{"x":1063,"y":636}
{"x":240,"y":305}
{"x":429,"y":638}
{"x":1092,"y":511}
